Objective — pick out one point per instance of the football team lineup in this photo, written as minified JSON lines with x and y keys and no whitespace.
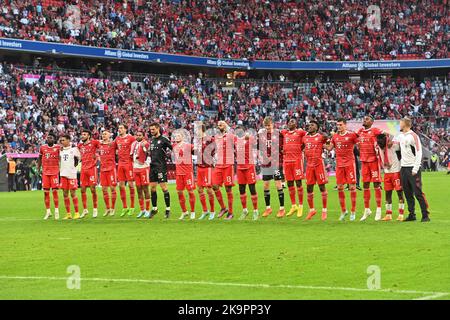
{"x":282,"y":154}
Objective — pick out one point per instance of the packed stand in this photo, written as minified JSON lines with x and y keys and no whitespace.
{"x":325,"y":30}
{"x":67,"y":103}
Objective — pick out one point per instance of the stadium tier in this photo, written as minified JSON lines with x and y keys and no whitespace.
{"x":254,"y":30}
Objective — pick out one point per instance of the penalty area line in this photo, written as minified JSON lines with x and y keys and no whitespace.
{"x":428,"y":295}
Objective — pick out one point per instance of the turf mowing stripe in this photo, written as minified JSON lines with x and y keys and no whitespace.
{"x":429,"y":294}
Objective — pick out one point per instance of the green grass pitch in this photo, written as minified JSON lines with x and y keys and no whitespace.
{"x":126,"y":258}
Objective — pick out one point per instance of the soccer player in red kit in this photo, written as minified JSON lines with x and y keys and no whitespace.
{"x":49,"y":161}
{"x":370,"y":166}
{"x":204,"y":150}
{"x":125,"y":168}
{"x":223,"y":172}
{"x":88,"y":178}
{"x":246,"y":171}
{"x":313,"y":144}
{"x":141,"y":171}
{"x":184,"y":173}
{"x":108,"y":177}
{"x":343,"y":142}
{"x":293,"y":164}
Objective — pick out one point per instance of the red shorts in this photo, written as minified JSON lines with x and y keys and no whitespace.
{"x":346,"y":174}
{"x":246,"y":176}
{"x":141,"y":176}
{"x":108,"y":178}
{"x":185,"y":181}
{"x":293,"y":171}
{"x":204,"y":176}
{"x":370,"y":171}
{"x":392,"y":181}
{"x":223,"y":176}
{"x":50,"y":181}
{"x":68,"y":184}
{"x":88,"y":177}
{"x":125,"y":172}
{"x":316,"y":174}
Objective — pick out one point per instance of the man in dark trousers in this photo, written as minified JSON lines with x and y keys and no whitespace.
{"x":12,"y":186}
{"x":411,"y":152}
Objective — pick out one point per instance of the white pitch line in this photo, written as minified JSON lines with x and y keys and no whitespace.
{"x":429,"y":294}
{"x":434,"y":296}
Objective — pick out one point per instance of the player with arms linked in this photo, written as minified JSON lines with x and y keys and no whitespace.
{"x":49,"y":162}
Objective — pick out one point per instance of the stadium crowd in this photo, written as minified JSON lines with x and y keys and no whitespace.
{"x":254,"y":29}
{"x":67,"y":104}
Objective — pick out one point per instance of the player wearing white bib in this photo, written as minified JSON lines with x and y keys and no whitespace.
{"x":69,"y":158}
{"x":388,"y":151}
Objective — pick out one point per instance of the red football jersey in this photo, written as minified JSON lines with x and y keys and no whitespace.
{"x":245,"y":152}
{"x":343,"y":145}
{"x":183,"y":158}
{"x":292,"y":142}
{"x":107,"y":152}
{"x":123,"y":145}
{"x":225,"y":150}
{"x":205,"y":151}
{"x":50,"y":159}
{"x":368,"y":143}
{"x":313,"y":149}
{"x":88,"y":153}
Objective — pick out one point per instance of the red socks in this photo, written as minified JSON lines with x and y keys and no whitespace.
{"x":230,"y":201}
{"x":123,"y":196}
{"x":203,"y":201}
{"x":55,"y":198}
{"x":47,"y":199}
{"x":132,"y":195}
{"x":211,"y":201}
{"x":341,"y":195}
{"x":113,"y":198}
{"x":106,"y":199}
{"x":75,"y":202}
{"x":311,"y":200}
{"x":147,"y":204}
{"x":67,"y":204}
{"x":141,"y":204}
{"x":300,"y":195}
{"x":95,"y":198}
{"x":84,"y":199}
{"x":366,"y":198}
{"x":182,"y":201}
{"x":353,"y":199}
{"x":324,"y":199}
{"x":191,"y":200}
{"x":378,"y":197}
{"x":219,"y":198}
{"x":244,"y":200}
{"x":292,"y":195}
{"x":254,"y":198}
